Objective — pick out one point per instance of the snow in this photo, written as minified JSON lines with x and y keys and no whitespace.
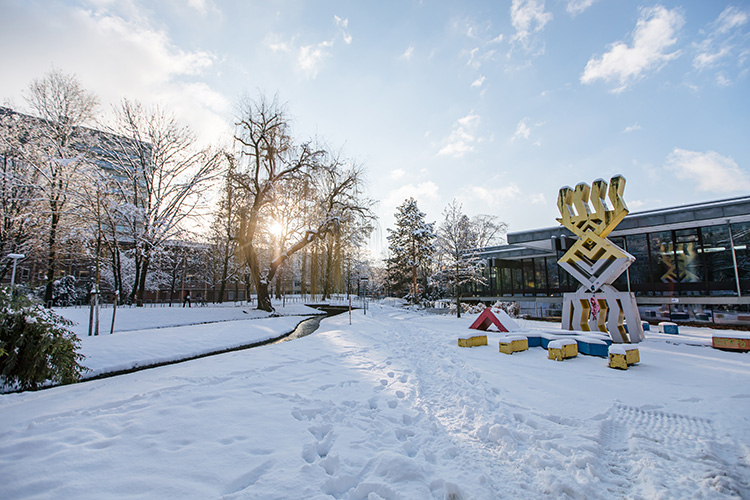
{"x":389,"y":407}
{"x":622,"y":348}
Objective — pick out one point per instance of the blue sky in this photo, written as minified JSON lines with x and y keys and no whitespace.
{"x":495,"y":103}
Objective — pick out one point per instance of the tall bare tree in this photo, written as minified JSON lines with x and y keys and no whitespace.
{"x":164,"y":176}
{"x":56,"y":148}
{"x":273,"y":163}
{"x":18,"y":213}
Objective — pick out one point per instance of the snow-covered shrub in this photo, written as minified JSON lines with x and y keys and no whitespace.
{"x":37,"y":345}
{"x":66,"y":291}
{"x":467,"y":308}
{"x":512,"y":308}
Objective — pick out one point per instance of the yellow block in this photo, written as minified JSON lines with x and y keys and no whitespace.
{"x":564,"y":352}
{"x":632,"y":356}
{"x":618,"y":361}
{"x":472,"y":341}
{"x":520,"y":345}
{"x":506,"y":347}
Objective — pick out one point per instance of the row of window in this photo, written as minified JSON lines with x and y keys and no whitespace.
{"x":697,"y":261}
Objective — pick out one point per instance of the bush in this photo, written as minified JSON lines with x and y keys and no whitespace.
{"x":37,"y":345}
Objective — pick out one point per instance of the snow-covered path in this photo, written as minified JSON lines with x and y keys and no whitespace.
{"x":390,"y":407}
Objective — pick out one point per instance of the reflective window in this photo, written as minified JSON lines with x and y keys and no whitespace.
{"x":663,"y":267}
{"x":540,"y":275}
{"x":741,"y":235}
{"x":717,"y":260}
{"x":553,"y":276}
{"x":637,"y":246}
{"x":688,"y":261}
{"x":528,"y":277}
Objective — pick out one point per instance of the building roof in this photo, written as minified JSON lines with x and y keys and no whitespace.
{"x":540,"y":241}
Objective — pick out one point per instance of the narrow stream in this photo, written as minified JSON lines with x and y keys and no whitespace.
{"x":305,"y":328}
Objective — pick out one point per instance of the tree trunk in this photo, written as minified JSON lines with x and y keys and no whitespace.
{"x":415,"y":296}
{"x":142,"y":281}
{"x":51,"y":259}
{"x":224,"y":274}
{"x":458,"y":294}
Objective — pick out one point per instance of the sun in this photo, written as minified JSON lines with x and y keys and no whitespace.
{"x":276,"y":228}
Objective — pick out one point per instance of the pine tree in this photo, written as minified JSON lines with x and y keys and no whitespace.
{"x":411,"y":248}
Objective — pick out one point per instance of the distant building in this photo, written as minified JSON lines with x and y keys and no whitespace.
{"x":692,"y":264}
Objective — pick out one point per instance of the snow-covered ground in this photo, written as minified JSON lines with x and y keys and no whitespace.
{"x":151,"y":336}
{"x":390,"y":407}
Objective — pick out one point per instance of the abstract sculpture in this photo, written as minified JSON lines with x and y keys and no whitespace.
{"x":596,"y":262}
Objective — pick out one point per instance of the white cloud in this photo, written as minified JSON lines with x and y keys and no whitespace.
{"x":524,"y":130}
{"x":538,"y":198}
{"x":709,"y":171}
{"x":495,"y":196}
{"x":527,"y":17}
{"x":463,"y":137}
{"x":575,"y":7}
{"x":397,"y":173}
{"x":478,"y":82}
{"x":276,"y":44}
{"x":727,"y":42}
{"x":424,"y":191}
{"x":631,"y":128}
{"x":343,"y":24}
{"x":114,"y":55}
{"x":731,"y":18}
{"x":408,"y":53}
{"x":310,"y":57}
{"x":653,"y":36}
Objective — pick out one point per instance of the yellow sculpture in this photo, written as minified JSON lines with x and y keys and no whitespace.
{"x":596,"y":262}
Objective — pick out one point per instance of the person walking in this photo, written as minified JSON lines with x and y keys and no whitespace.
{"x":187,"y":299}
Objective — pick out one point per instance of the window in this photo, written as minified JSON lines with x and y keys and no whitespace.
{"x":688,"y":260}
{"x":717,"y":259}
{"x":741,"y":235}
{"x":663,"y":267}
{"x":540,"y":275}
{"x":637,"y":246}
{"x":553,"y":277}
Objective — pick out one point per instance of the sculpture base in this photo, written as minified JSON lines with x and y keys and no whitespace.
{"x":605,"y":311}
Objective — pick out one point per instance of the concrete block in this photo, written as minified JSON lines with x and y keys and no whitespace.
{"x":668,"y":327}
{"x":562,"y":349}
{"x":472,"y":341}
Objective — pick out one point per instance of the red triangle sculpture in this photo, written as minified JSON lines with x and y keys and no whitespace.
{"x":486,"y":319}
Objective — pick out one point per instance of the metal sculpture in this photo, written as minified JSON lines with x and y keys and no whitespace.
{"x":596,"y":262}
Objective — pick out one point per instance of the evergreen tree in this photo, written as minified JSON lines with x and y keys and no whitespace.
{"x":411,"y":248}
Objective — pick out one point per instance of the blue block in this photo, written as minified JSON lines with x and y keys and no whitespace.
{"x":534,"y":340}
{"x":671,"y":329}
{"x":646,"y":326}
{"x":601,"y":350}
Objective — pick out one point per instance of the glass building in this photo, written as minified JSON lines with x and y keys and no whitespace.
{"x":692,"y":264}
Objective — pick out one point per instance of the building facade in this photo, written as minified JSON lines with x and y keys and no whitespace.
{"x":692,"y":264}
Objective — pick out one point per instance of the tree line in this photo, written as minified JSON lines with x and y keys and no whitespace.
{"x":426,"y":262}
{"x":126,"y":194}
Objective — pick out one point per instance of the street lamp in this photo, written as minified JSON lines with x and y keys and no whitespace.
{"x":15,"y":257}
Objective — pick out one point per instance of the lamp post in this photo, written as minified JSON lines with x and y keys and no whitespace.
{"x":15,"y":257}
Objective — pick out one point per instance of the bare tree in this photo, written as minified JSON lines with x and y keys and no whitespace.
{"x":488,"y":230}
{"x":17,"y":189}
{"x":56,"y":147}
{"x":273,"y":164}
{"x":163,"y":179}
{"x":457,"y":241}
